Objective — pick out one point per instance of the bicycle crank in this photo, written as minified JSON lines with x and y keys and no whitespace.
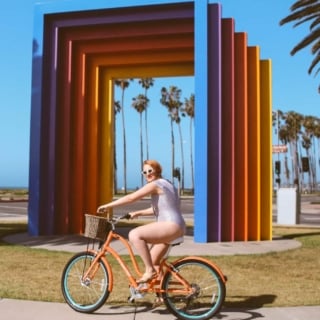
{"x":135,"y":292}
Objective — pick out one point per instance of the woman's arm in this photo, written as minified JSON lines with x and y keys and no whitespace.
{"x":145,"y":212}
{"x":130,"y":198}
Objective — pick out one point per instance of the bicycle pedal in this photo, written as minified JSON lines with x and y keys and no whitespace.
{"x":135,"y":294}
{"x":142,"y":286}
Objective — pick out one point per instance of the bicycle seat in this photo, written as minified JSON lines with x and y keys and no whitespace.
{"x":177,"y":241}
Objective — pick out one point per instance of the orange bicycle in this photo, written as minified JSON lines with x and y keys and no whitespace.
{"x":192,"y":288}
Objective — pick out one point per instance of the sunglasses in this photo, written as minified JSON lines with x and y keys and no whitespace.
{"x":149,"y":171}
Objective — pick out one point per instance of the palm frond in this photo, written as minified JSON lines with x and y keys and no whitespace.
{"x":310,"y":18}
{"x":313,"y":36}
{"x":306,"y":13}
{"x":314,"y":62}
{"x":316,"y":47}
{"x":315,"y":22}
{"x":302,"y":3}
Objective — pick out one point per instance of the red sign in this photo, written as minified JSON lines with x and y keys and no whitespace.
{"x":279,"y":148}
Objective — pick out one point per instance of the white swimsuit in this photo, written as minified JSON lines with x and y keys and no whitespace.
{"x":166,"y":205}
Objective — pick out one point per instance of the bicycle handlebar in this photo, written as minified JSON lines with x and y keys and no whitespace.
{"x":125,"y":216}
{"x":115,"y":220}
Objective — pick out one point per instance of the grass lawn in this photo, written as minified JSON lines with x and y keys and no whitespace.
{"x":289,"y":278}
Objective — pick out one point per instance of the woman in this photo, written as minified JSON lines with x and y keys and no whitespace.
{"x":169,"y":225}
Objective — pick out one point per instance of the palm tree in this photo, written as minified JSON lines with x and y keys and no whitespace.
{"x":117,"y":109}
{"x":146,"y":83}
{"x":310,"y":123}
{"x":317,"y":136}
{"x":283,"y":134}
{"x":276,"y":119}
{"x":189,"y":111}
{"x":123,"y":84}
{"x":289,"y":132}
{"x":306,"y":144}
{"x":140,"y":103}
{"x":171,"y":100}
{"x":307,"y":11}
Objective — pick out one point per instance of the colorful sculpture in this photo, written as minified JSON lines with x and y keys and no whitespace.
{"x":83,"y":45}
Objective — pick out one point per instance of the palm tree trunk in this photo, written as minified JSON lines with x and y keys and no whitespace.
{"x":172,"y":151}
{"x":124,"y":147}
{"x":300,"y":166}
{"x":141,"y":147}
{"x":146,"y":127}
{"x":313,"y":164}
{"x":296,"y":164}
{"x":310,"y":170}
{"x":115,"y":166}
{"x":182,"y":159}
{"x":286,"y":168}
{"x":191,"y":156}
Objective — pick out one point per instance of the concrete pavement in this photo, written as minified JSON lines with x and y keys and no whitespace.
{"x":34,"y":310}
{"x":77,"y":243}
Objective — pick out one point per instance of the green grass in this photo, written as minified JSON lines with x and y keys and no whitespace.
{"x":289,"y":278}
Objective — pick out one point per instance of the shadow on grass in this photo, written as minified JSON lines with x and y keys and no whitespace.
{"x":250,"y":302}
{"x":300,"y":235}
{"x":11,"y":228}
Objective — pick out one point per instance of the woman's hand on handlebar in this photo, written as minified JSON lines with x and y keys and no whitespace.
{"x":133,"y":214}
{"x":102,"y":209}
{"x":126,"y":216}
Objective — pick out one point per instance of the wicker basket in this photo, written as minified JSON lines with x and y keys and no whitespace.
{"x":97,"y":227}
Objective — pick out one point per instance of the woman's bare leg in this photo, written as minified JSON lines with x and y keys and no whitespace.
{"x":154,"y":233}
{"x":157,"y":252}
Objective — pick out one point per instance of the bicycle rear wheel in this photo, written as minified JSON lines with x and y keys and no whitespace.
{"x":84,"y":295}
{"x":207,"y":292}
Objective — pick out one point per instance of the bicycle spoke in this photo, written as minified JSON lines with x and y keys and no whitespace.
{"x":84,"y":295}
{"x":204,"y":296}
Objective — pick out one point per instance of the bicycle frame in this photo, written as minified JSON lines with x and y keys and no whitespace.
{"x":191,"y":287}
{"x":152,"y":286}
{"x":106,"y":248}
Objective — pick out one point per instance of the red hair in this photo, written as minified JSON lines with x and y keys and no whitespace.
{"x":155,"y":165}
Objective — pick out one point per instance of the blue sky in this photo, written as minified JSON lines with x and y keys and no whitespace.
{"x":293,"y":88}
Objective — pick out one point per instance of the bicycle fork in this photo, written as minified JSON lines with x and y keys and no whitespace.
{"x":89,"y":274}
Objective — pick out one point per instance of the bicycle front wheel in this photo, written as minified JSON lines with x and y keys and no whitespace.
{"x":84,"y":294}
{"x":202,"y":294}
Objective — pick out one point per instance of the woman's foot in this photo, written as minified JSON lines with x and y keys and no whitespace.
{"x":157,"y":302}
{"x":147,"y":276}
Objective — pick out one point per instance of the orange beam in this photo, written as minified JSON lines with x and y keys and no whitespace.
{"x":266,"y":149}
{"x":254,"y":174}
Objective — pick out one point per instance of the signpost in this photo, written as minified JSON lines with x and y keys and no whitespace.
{"x":279,"y":148}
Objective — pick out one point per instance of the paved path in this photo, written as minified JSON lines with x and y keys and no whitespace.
{"x":189,"y":247}
{"x":33,"y":310}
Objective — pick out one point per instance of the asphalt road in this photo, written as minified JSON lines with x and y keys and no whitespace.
{"x":13,"y":210}
{"x":310,"y":209}
{"x":18,"y":210}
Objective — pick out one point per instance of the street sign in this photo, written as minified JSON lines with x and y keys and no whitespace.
{"x":279,"y":148}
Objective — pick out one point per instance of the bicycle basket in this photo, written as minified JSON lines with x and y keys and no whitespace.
{"x":96,"y":227}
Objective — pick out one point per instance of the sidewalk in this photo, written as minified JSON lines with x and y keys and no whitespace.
{"x":33,"y":310}
{"x":77,"y":243}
